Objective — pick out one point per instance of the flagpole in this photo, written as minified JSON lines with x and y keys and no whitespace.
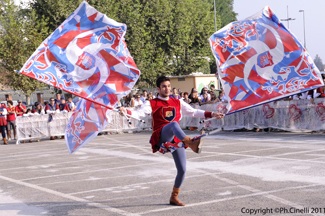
{"x":89,"y":99}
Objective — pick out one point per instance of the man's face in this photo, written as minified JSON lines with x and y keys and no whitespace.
{"x":62,"y":101}
{"x":145,"y":94}
{"x":205,"y":90}
{"x":52,"y":102}
{"x":58,"y":96}
{"x":212,"y":88}
{"x":69,"y":100}
{"x":174,"y":91}
{"x":19,"y":103}
{"x":164,"y":89}
{"x":221,"y":94}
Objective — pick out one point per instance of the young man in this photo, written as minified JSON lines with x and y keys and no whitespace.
{"x":167,"y":135}
{"x":72,"y":107}
{"x":64,"y":106}
{"x":11,"y":119}
{"x":20,"y":109}
{"x":57,"y":98}
{"x":144,"y":96}
{"x":137,"y":102}
{"x":51,"y":109}
{"x":175,"y":95}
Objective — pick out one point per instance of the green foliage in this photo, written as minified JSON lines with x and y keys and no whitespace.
{"x":21,"y":33}
{"x":225,"y":10}
{"x":163,"y":36}
{"x":319,"y":63}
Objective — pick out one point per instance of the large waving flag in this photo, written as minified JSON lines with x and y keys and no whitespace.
{"x":259,"y":61}
{"x":88,"y":57}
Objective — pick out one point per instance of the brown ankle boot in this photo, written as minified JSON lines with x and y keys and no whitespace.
{"x":174,"y":199}
{"x":195,"y":145}
{"x":5,"y":141}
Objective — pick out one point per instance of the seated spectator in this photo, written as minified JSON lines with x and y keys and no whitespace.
{"x":222,"y":97}
{"x":64,"y":107}
{"x":52,"y":107}
{"x":138,"y":102}
{"x":321,"y":90}
{"x":144,"y":96}
{"x":194,"y":97}
{"x":150,"y":96}
{"x":186,"y":99}
{"x":213,"y":89}
{"x":175,"y":95}
{"x":39,"y":109}
{"x":72,"y":107}
{"x":214,"y":99}
{"x":205,"y":90}
{"x":129,"y":100}
{"x":205,"y":99}
{"x":58,"y":98}
{"x":181,"y":95}
{"x":20,"y":108}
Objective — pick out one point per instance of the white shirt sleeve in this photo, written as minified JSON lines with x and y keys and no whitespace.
{"x":144,"y":110}
{"x":4,"y":111}
{"x":190,"y":111}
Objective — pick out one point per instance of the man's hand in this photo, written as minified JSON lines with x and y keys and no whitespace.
{"x":218,"y":115}
{"x":122,"y":110}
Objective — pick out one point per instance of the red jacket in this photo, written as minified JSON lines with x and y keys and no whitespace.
{"x":163,"y":113}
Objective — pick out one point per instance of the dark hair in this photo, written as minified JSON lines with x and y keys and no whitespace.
{"x":174,"y":88}
{"x":161,"y":79}
{"x":212,"y":86}
{"x":9,"y":102}
{"x":144,"y":91}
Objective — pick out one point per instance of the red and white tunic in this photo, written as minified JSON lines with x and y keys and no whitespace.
{"x":165,"y":111}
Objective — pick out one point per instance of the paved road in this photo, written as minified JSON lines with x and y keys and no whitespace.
{"x":236,"y":172}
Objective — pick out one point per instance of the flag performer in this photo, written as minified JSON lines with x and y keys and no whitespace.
{"x":167,"y":134}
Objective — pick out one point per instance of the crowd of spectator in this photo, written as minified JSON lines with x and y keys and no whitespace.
{"x":9,"y":112}
{"x":206,"y":96}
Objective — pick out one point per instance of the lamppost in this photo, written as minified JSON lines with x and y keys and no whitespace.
{"x":215,"y":16}
{"x":303,"y":11}
{"x":288,"y":19}
{"x":215,"y":27}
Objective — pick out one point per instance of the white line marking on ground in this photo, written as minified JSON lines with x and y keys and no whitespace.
{"x":261,"y":193}
{"x":83,"y":172}
{"x":87,"y":202}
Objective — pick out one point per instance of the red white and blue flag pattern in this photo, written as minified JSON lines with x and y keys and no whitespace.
{"x":88,"y":57}
{"x":259,"y":61}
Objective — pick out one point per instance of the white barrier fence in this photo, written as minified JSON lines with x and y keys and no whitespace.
{"x":294,"y":116}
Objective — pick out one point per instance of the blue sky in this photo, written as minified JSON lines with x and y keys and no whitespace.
{"x":314,"y":19}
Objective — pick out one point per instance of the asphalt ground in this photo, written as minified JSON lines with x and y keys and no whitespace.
{"x":237,"y":173}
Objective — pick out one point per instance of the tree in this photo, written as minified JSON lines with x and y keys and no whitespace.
{"x":225,"y":10}
{"x":319,"y":63}
{"x":164,"y":36}
{"x":21,"y":33}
